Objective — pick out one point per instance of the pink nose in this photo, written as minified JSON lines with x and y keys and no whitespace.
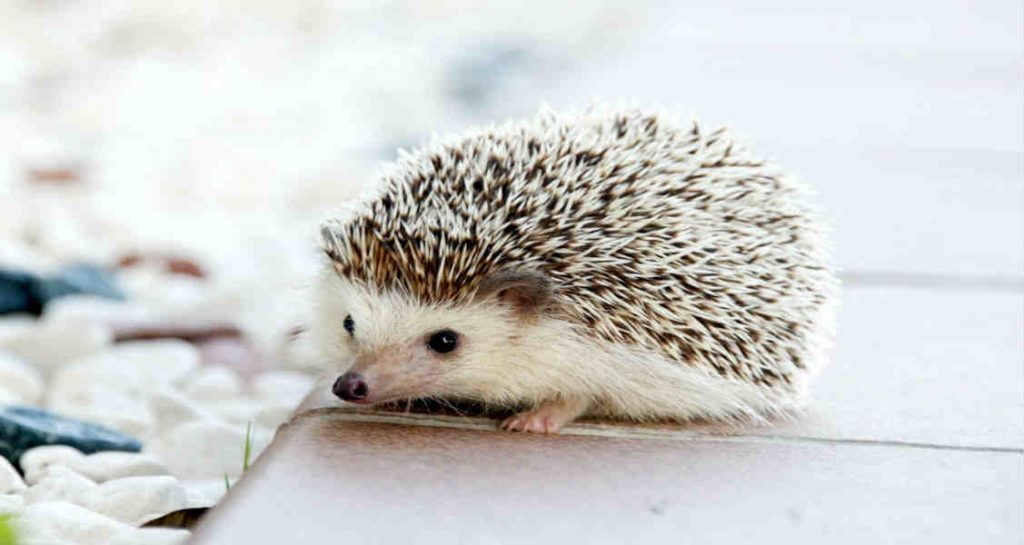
{"x":351,"y":387}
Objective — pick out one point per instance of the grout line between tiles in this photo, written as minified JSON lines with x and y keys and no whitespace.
{"x":894,"y":279}
{"x":620,"y":432}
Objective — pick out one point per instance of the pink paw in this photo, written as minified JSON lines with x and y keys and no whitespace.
{"x":532,"y":421}
{"x":547,"y":418}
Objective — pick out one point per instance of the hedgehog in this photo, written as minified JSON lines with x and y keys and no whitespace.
{"x":613,"y":263}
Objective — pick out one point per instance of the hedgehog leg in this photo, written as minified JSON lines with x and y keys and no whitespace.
{"x":548,"y":417}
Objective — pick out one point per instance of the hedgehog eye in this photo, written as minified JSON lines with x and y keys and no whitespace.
{"x":349,"y":324}
{"x":443,"y":341}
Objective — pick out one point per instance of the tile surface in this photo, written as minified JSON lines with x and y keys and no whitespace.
{"x":923,"y":365}
{"x":332,"y":480}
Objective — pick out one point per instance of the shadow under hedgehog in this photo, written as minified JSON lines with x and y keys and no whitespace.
{"x":614,"y":263}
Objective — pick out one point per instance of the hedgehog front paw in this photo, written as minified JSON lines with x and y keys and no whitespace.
{"x":546,"y":418}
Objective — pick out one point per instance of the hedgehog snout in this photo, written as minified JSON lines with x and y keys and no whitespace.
{"x":351,"y":387}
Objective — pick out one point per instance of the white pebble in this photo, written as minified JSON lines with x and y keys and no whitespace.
{"x":238,"y":412}
{"x":110,"y":465}
{"x":15,"y":252}
{"x":283,"y":385}
{"x":123,"y":412}
{"x":113,"y":388}
{"x":173,"y":409}
{"x":151,"y":536}
{"x":9,"y":397}
{"x":137,"y":500}
{"x":213,"y":382}
{"x":35,"y":461}
{"x":56,"y":521}
{"x":206,"y":493}
{"x":20,"y":378}
{"x":10,"y":480}
{"x":204,"y":450}
{"x":154,"y":363}
{"x":273,"y":415}
{"x":11,"y":504}
{"x":174,"y":297}
{"x":52,"y":344}
{"x":13,"y":326}
{"x":59,"y":483}
{"x":88,"y":308}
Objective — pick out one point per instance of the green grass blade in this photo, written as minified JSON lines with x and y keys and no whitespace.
{"x":8,"y":535}
{"x":248,"y":447}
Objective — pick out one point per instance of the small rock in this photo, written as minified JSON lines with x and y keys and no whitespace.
{"x":169,"y":263}
{"x":192,"y":330}
{"x":35,"y":461}
{"x":283,"y":386}
{"x":9,"y":397}
{"x":23,"y":428}
{"x":114,"y":387}
{"x":20,"y":378}
{"x":204,"y":450}
{"x":65,"y":521}
{"x":275,"y":414}
{"x":205,"y":493}
{"x":89,"y":308}
{"x":112,"y":465}
{"x":19,"y":254}
{"x":131,"y":417}
{"x":215,"y":382}
{"x":10,"y":480}
{"x":11,"y":504}
{"x":51,"y":344}
{"x":59,"y":483}
{"x":151,"y":363}
{"x":13,"y":326}
{"x":22,"y":291}
{"x":16,"y":293}
{"x":173,"y":409}
{"x":135,"y":500}
{"x":185,"y":266}
{"x":173,"y":297}
{"x":99,"y":467}
{"x":151,"y":536}
{"x":107,"y":400}
{"x":237,"y":354}
{"x":54,"y":175}
{"x":77,"y":279}
{"x":239,"y":411}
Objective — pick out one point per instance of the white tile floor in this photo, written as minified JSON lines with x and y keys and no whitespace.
{"x":329,"y":479}
{"x":907,"y":118}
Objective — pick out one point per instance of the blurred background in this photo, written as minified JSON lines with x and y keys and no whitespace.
{"x":184,"y":153}
{"x":227,"y":130}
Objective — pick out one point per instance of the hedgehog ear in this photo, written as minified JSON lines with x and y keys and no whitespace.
{"x":526,"y":291}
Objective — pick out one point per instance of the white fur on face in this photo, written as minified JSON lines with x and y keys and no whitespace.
{"x":505,"y":361}
{"x":389,"y":343}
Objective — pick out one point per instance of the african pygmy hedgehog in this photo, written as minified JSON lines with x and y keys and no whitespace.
{"x":613,"y":263}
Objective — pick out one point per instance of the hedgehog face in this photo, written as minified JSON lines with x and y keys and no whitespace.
{"x":386,"y":346}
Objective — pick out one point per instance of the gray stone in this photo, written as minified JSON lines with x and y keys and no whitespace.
{"x":22,"y":428}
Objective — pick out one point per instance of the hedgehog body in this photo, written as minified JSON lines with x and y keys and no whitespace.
{"x":616,"y":263}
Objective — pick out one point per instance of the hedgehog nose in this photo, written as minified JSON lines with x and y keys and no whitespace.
{"x":351,"y":387}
